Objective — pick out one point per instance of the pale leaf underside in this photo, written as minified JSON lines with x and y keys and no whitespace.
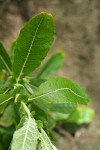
{"x":26,"y":137}
{"x":45,"y":142}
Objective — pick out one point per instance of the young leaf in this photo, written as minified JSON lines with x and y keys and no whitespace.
{"x":26,"y":137}
{"x":33,"y":44}
{"x":45,"y":142}
{"x":52,"y":65}
{"x":5,"y":62}
{"x":59,"y":90}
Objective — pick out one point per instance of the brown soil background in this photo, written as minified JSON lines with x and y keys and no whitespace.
{"x":78,"y":34}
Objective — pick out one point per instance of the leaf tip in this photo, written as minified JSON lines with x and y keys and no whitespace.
{"x":49,"y":14}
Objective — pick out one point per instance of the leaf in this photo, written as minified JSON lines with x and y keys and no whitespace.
{"x":5,"y":62}
{"x":52,"y":111}
{"x":61,"y":108}
{"x":13,"y":44}
{"x":10,"y":82}
{"x":59,"y":117}
{"x":42,"y":114}
{"x":7,"y":118}
{"x":1,"y":74}
{"x":1,"y":90}
{"x":29,"y":87}
{"x":59,"y":90}
{"x":45,"y":142}
{"x":33,"y":44}
{"x":4,"y":100}
{"x":6,"y":135}
{"x":26,"y":137}
{"x":52,"y":65}
{"x":81,"y":115}
{"x":36,"y":82}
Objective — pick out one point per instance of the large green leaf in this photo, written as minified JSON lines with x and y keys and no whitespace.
{"x":26,"y":137}
{"x":45,"y":142}
{"x":59,"y":90}
{"x":33,"y":44}
{"x":52,"y":65}
{"x":5,"y":62}
{"x":4,"y":100}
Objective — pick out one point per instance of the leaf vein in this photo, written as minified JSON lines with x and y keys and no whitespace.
{"x":42,"y":95}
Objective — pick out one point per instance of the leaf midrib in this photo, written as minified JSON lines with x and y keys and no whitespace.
{"x":6,"y":101}
{"x":44,"y":145}
{"x":51,"y":92}
{"x":26,"y":133}
{"x":29,"y":50}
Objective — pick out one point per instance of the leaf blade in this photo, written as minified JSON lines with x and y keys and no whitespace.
{"x":26,"y":137}
{"x":45,"y":142}
{"x":4,"y":100}
{"x":59,"y":90}
{"x":52,"y":65}
{"x":5,"y":62}
{"x":37,"y":35}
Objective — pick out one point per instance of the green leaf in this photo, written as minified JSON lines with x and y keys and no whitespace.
{"x":13,"y":44}
{"x":59,"y":90}
{"x":42,"y":114}
{"x":1,"y":74}
{"x":4,"y":100}
{"x":81,"y":115}
{"x":5,"y":62}
{"x":52,"y":65}
{"x":10,"y":82}
{"x":21,"y":98}
{"x":61,"y":108}
{"x":33,"y":44}
{"x":36,"y":82}
{"x":7,"y":118}
{"x":29,"y":87}
{"x":26,"y":137}
{"x":2,"y":90}
{"x":60,"y":116}
{"x":45,"y":142}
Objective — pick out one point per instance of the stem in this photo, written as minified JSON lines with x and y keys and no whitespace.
{"x":26,"y":109}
